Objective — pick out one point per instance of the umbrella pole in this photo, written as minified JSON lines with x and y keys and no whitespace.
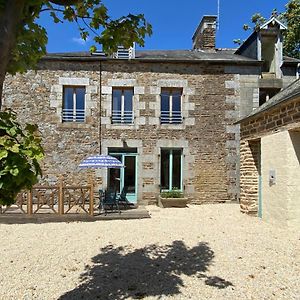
{"x":91,"y":200}
{"x":100,"y":95}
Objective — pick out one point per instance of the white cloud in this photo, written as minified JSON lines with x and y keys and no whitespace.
{"x":80,"y":41}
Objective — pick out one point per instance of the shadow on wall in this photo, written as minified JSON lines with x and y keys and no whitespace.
{"x":119,"y":273}
{"x":295,"y":138}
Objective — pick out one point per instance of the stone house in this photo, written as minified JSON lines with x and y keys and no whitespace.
{"x":270,"y":159}
{"x":168,"y":115}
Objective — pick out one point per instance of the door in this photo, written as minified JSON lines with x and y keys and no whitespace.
{"x":125,"y":177}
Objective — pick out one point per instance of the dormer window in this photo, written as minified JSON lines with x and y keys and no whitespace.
{"x":125,"y":53}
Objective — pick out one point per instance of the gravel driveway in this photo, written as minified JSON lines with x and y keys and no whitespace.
{"x":200,"y":252}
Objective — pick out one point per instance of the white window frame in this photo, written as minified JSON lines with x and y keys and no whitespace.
{"x":123,"y":113}
{"x":171,"y":165}
{"x":170,"y":115}
{"x":75,"y":111}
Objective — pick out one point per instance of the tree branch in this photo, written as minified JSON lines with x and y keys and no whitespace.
{"x":65,"y":2}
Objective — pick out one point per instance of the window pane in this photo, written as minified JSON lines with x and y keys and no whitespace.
{"x":165,"y":106}
{"x":116,"y":106}
{"x":68,"y":105}
{"x":114,"y":177}
{"x":164,"y":169}
{"x":128,"y":100}
{"x":128,"y":94}
{"x":129,"y":174}
{"x":176,"y":172}
{"x":176,"y":105}
{"x":68,"y":98}
{"x":117,"y":96}
{"x":80,"y":93}
{"x":165,"y":100}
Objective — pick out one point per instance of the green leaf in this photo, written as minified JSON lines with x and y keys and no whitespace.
{"x":14,"y":172}
{"x":3,"y":153}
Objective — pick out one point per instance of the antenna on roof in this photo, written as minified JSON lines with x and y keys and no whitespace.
{"x":218,"y":14}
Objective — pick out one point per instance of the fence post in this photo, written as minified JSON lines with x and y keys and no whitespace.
{"x":91,"y":197}
{"x":29,"y":202}
{"x":61,"y":196}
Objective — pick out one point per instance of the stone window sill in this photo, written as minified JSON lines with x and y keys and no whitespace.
{"x":122,"y":126}
{"x":171,"y":126}
{"x":73,"y":125}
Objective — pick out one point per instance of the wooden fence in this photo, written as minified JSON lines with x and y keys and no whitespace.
{"x":58,"y":199}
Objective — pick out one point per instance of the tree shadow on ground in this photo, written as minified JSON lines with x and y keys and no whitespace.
{"x":120,"y":273}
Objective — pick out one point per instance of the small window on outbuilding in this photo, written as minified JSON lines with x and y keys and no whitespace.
{"x":266,"y":94}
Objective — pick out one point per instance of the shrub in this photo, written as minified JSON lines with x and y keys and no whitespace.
{"x":20,"y":151}
{"x":172,"y":194}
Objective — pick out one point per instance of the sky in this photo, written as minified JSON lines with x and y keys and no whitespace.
{"x":174,"y":22}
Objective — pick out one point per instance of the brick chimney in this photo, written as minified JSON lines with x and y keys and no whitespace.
{"x":204,"y":37}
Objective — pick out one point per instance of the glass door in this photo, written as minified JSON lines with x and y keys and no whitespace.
{"x":125,"y":178}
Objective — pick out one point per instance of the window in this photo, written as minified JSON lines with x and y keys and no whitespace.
{"x":122,"y":112}
{"x":266,"y":94}
{"x":73,"y":104}
{"x":170,"y":168}
{"x":170,"y":106}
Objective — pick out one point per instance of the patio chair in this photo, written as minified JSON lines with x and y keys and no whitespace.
{"x":108,"y":201}
{"x":122,"y":199}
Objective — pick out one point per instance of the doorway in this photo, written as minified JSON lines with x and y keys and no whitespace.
{"x":124,"y":178}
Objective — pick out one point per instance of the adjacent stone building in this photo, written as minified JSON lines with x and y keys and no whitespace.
{"x":169,"y":116}
{"x":270,"y":159}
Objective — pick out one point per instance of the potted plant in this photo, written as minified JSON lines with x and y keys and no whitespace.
{"x":173,"y":198}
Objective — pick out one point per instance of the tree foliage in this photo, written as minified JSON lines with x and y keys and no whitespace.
{"x":22,"y":43}
{"x":92,"y":19}
{"x":20,"y":152}
{"x":291,"y":18}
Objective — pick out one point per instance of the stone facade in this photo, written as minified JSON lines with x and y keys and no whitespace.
{"x":206,"y":135}
{"x":217,"y":88}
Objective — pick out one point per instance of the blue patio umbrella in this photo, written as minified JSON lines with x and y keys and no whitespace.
{"x":101,"y":161}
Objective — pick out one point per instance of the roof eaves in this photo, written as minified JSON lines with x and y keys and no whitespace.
{"x":273,"y":19}
{"x":160,"y":60}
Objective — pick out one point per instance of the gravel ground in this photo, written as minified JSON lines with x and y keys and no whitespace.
{"x":200,"y":252}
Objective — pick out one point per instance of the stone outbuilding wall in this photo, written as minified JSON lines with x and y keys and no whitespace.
{"x":270,"y":159}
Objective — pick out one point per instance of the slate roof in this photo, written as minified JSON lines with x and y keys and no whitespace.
{"x":220,"y":55}
{"x":290,"y":92}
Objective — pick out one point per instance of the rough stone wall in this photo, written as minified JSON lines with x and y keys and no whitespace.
{"x":249,"y":176}
{"x":284,"y":116}
{"x":206,"y":40}
{"x":208,"y":174}
{"x":207,"y":135}
{"x":32,"y":96}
